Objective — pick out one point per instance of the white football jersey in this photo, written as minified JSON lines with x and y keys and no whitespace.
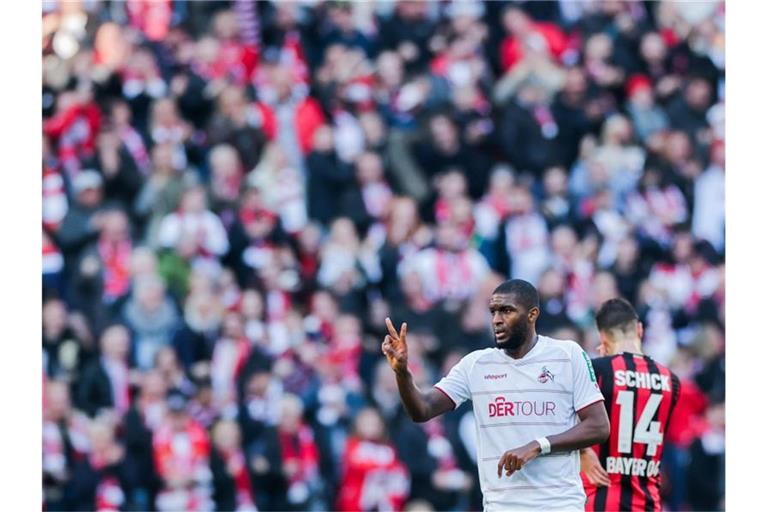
{"x":516,"y":401}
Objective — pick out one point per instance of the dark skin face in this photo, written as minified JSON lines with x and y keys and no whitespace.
{"x":514,"y":325}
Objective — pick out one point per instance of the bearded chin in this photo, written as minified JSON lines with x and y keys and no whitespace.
{"x":516,"y":339}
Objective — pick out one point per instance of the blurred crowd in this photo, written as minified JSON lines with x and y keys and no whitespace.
{"x":236,"y":194}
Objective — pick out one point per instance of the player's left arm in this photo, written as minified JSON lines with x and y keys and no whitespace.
{"x":593,"y":428}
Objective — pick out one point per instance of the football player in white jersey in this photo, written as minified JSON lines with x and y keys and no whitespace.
{"x":535,"y":399}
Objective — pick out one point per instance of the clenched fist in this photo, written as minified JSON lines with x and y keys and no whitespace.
{"x":395,"y":348}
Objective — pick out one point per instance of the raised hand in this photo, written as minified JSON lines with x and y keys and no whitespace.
{"x":395,"y":348}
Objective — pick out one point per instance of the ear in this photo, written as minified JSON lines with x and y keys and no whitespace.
{"x":605,"y":343}
{"x":533,"y":314}
{"x":639,"y":330}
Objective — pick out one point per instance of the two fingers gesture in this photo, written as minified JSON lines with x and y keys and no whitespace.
{"x":395,"y":348}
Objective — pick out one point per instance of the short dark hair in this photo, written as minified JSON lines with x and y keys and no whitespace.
{"x":525,"y":292}
{"x":616,"y":313}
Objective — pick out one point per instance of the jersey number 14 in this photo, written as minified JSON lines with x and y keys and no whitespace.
{"x":647,"y":432}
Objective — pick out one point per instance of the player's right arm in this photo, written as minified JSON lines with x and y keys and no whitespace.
{"x":420,"y":406}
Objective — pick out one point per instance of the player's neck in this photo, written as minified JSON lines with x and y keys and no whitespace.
{"x":522,"y":350}
{"x":629,"y":346}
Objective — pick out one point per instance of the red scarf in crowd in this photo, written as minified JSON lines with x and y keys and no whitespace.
{"x":135,"y":145}
{"x":301,"y":449}
{"x":74,"y":131}
{"x":116,"y":260}
{"x":243,"y":488}
{"x":183,"y":451}
{"x":109,"y":493}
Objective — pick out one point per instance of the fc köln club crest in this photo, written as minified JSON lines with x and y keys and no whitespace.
{"x":545,"y":375}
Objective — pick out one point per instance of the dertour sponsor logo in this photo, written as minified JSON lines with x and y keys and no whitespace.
{"x":501,"y":407}
{"x":495,"y":376}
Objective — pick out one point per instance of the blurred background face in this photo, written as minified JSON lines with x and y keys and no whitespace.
{"x":115,"y":342}
{"x":323,"y":139}
{"x":448,"y":236}
{"x":54,"y":316}
{"x":575,"y":83}
{"x":101,"y":436}
{"x":369,"y":425}
{"x":252,"y":304}
{"x":516,"y":22}
{"x":603,"y":288}
{"x":551,"y":284}
{"x":652,"y":48}
{"x":57,"y":402}
{"x":150,"y":293}
{"x":164,"y":113}
{"x":143,"y":262}
{"x":232,"y":326}
{"x":697,"y":95}
{"x":564,"y":241}
{"x":291,"y":410}
{"x":225,"y":162}
{"x":90,"y":197}
{"x":225,"y":24}
{"x":343,"y":232}
{"x":373,"y":127}
{"x":599,"y":47}
{"x":226,"y":436}
{"x":257,"y":385}
{"x":389,"y":67}
{"x":682,"y":247}
{"x":153,"y":388}
{"x":121,"y":114}
{"x":166,"y":360}
{"x":452,"y":185}
{"x":369,"y":168}
{"x":627,"y":252}
{"x":116,"y":226}
{"x":555,"y":181}
{"x":194,"y":201}
{"x":443,"y":132}
{"x":162,"y":158}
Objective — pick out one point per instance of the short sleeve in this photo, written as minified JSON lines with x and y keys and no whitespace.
{"x":585,"y":388}
{"x":455,"y":385}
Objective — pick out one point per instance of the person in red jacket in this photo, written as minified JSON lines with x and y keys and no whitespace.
{"x":73,"y":128}
{"x":288,"y":115}
{"x":373,"y":478}
{"x":181,"y":452}
{"x":520,"y":28}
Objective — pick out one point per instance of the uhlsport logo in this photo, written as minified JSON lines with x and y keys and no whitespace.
{"x":502,"y":407}
{"x":545,"y":375}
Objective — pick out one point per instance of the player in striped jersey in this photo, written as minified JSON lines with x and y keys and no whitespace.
{"x":640,"y":394}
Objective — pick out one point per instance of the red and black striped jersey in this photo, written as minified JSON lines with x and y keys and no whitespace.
{"x":640,"y":395}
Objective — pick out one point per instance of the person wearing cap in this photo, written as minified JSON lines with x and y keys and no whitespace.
{"x":647,"y":117}
{"x":82,"y":223}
